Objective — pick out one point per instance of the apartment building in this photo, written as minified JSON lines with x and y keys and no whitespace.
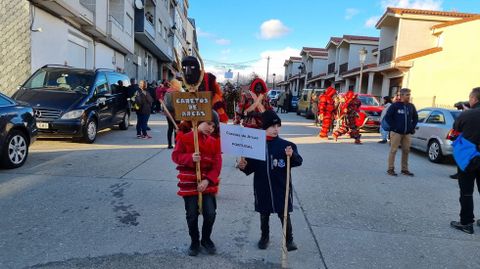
{"x":293,"y":70}
{"x":315,"y":60}
{"x":418,"y":49}
{"x":134,"y":37}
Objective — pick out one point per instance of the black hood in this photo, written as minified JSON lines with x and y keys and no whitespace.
{"x":55,"y":98}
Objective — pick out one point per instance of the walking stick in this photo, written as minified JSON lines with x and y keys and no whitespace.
{"x":169,"y":116}
{"x":199,"y":173}
{"x":285,"y":214}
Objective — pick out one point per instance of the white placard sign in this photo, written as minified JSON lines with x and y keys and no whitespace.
{"x":241,"y":141}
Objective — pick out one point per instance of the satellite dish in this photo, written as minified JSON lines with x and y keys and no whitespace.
{"x":139,"y":4}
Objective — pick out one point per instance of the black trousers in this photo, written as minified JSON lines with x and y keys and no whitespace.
{"x":209,"y":208}
{"x":265,"y":227}
{"x":170,"y":131}
{"x":466,"y":182}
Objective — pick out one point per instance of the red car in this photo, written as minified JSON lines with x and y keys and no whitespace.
{"x":369,"y":116}
{"x":370,"y":111}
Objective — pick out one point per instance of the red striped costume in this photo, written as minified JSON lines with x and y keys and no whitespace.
{"x":210,"y":163}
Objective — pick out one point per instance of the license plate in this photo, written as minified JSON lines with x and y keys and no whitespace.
{"x":42,"y":125}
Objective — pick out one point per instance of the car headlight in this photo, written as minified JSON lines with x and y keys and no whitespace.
{"x":74,"y":114}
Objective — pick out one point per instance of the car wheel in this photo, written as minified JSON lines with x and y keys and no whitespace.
{"x":125,"y":122}
{"x":15,"y":150}
{"x":435,"y":152}
{"x":90,"y":131}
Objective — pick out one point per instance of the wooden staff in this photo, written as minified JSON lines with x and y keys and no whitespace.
{"x":169,"y":116}
{"x":285,"y":216}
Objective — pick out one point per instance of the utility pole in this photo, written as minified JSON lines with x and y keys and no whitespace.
{"x":268,"y":66}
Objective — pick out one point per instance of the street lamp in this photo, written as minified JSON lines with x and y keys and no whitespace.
{"x":273,"y":86}
{"x":363,"y":56}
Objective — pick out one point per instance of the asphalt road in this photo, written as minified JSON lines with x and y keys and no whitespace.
{"x":113,"y":204}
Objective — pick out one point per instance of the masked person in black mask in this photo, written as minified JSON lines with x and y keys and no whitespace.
{"x":252,"y":104}
{"x":191,"y":70}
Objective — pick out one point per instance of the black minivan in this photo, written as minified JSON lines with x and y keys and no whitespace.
{"x":74,"y":102}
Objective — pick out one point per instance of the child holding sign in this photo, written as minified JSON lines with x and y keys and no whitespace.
{"x":210,"y":159}
{"x":269,"y":181}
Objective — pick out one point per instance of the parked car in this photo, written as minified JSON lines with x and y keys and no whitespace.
{"x":432,"y":132}
{"x":305,"y":101}
{"x":76,"y":102}
{"x":273,"y":96}
{"x":294,"y":104}
{"x":18,"y":131}
{"x":370,"y":111}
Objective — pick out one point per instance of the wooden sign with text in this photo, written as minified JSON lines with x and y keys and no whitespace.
{"x":193,"y":106}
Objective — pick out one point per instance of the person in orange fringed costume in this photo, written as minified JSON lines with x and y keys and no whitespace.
{"x":210,"y":84}
{"x":348,"y":114}
{"x":326,"y":108}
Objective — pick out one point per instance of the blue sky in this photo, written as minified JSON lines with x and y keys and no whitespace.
{"x":237,"y":31}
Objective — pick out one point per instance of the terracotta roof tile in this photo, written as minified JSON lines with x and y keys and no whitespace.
{"x":418,"y":54}
{"x":318,"y":53}
{"x":295,"y":59}
{"x":450,"y":23}
{"x":357,"y":37}
{"x":313,"y":49}
{"x":402,"y":11}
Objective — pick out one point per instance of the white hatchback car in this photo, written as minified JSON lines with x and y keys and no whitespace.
{"x":434,"y":125}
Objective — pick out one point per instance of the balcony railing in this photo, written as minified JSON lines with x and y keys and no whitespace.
{"x":386,"y":55}
{"x":331,"y":68}
{"x":343,"y":68}
{"x":149,"y":28}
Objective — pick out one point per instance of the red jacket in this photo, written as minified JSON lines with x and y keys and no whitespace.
{"x":210,"y":163}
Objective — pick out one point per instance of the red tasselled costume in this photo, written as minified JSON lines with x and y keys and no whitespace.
{"x":326,"y":108}
{"x":210,"y":163}
{"x":252,"y":105}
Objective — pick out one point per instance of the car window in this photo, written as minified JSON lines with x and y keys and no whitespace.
{"x":61,"y":79}
{"x":436,"y":117}
{"x":4,"y":101}
{"x":369,"y":101}
{"x":423,"y":114}
{"x":114,"y":78}
{"x":101,"y":85}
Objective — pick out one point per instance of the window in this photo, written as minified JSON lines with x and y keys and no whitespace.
{"x":129,"y":25}
{"x":423,"y":114}
{"x":436,"y":117}
{"x":165,"y":33}
{"x":160,"y":28}
{"x":4,"y":101}
{"x":101,"y":85}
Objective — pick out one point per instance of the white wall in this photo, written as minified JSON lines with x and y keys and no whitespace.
{"x":51,"y":46}
{"x":388,"y":37}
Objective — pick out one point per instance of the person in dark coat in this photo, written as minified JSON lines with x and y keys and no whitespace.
{"x":144,"y":100}
{"x":269,"y":179}
{"x":468,"y":124}
{"x":402,"y":118}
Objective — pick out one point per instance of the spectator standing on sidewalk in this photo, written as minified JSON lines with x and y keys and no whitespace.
{"x":387,"y":102}
{"x":175,"y":86}
{"x":144,"y":102}
{"x":402,"y":118}
{"x":468,"y":124}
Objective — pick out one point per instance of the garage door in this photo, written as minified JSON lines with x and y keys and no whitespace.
{"x":76,"y":55}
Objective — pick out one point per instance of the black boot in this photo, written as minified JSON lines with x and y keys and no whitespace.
{"x":291,"y":246}
{"x":194,"y":235}
{"x":207,"y":227}
{"x":263,"y":242}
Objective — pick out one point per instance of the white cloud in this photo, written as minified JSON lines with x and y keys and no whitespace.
{"x":350,"y":13}
{"x":201,"y":33}
{"x":370,"y":23}
{"x":223,"y":41}
{"x":416,"y":4}
{"x":277,"y":58}
{"x":273,"y":29}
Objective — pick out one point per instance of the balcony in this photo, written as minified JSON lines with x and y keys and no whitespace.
{"x":331,"y":68}
{"x":386,"y":55}
{"x":146,"y":36}
{"x":78,"y":11}
{"x":116,"y":33}
{"x":343,"y":68}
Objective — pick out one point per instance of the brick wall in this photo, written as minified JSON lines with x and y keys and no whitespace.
{"x":15,"y":55}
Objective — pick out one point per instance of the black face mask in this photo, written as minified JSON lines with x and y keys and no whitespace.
{"x":191,"y":70}
{"x":258,"y":88}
